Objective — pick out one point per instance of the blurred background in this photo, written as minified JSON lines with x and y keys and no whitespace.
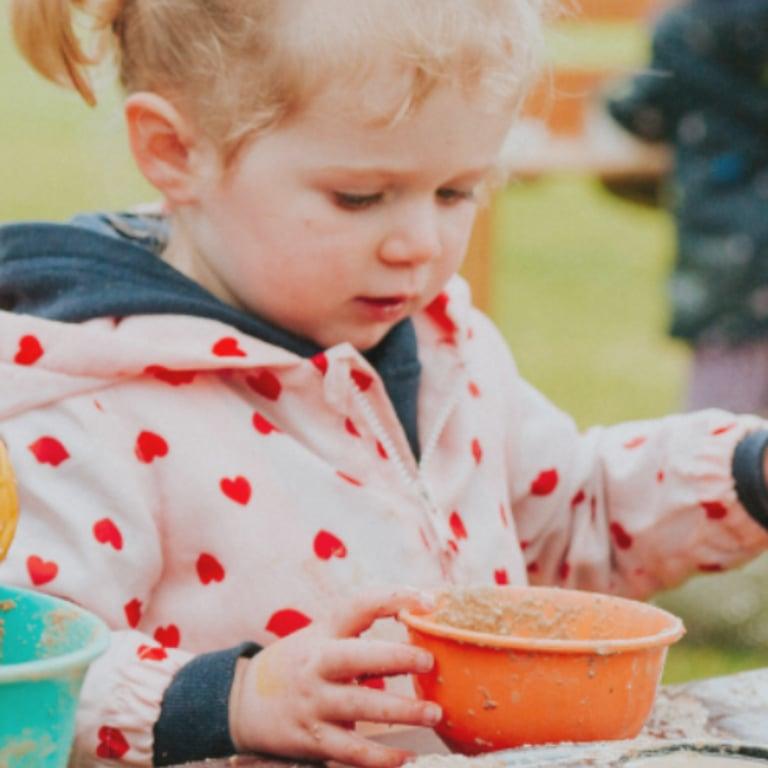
{"x":573,"y":275}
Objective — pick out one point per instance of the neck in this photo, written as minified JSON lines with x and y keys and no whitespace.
{"x":182,"y":254}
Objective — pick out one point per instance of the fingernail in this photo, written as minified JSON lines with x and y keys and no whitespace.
{"x":425,"y":662}
{"x":433,"y":713}
{"x":427,"y":600}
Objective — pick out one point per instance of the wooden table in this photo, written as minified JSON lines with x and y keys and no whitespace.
{"x":732,"y":708}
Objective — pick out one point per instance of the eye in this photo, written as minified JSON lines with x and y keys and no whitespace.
{"x":352,"y":202}
{"x":450,"y":195}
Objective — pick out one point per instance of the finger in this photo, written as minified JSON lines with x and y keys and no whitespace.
{"x":346,"y":702}
{"x":364,"y":610}
{"x":350,"y":658}
{"x":348,"y":747}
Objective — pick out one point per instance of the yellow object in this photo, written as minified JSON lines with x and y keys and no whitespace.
{"x":9,"y":503}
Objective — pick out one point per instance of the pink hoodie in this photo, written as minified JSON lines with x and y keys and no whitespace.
{"x":196,"y":488}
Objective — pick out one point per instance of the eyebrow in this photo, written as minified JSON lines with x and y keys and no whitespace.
{"x":388,"y":173}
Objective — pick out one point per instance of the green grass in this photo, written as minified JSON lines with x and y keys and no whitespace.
{"x":578,"y":282}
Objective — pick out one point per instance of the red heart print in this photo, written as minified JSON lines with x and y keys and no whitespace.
{"x":382,"y":451}
{"x":545,"y":483}
{"x":287,"y":621}
{"x":41,"y":571}
{"x":377,"y":683}
{"x":327,"y":546}
{"x":263,"y":425}
{"x":349,"y":479}
{"x":29,"y":352}
{"x":474,"y":390}
{"x":620,"y":536}
{"x":723,"y":430}
{"x":209,"y":569}
{"x":151,"y":653}
{"x":362,"y":379}
{"x":710,"y":567}
{"x":174,"y":378}
{"x":437,"y":310}
{"x":635,"y":442}
{"x":565,"y":570}
{"x":457,"y":526}
{"x":265,"y":384}
{"x":578,"y":498}
{"x":132,"y":610}
{"x":112,"y":743}
{"x":168,"y":637}
{"x":715,"y":510}
{"x":532,"y":567}
{"x":501,"y":576}
{"x":237,"y":488}
{"x":227,"y":347}
{"x":106,"y":532}
{"x":150,"y":446}
{"x":477,"y":451}
{"x":320,"y":361}
{"x":660,"y":476}
{"x":48,"y":450}
{"x":349,"y":425}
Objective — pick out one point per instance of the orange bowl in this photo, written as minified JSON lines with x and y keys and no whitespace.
{"x":537,"y":665}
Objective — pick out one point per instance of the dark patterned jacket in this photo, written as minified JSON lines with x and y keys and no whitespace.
{"x":706,"y":94}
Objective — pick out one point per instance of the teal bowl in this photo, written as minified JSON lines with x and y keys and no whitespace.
{"x":46,"y":645}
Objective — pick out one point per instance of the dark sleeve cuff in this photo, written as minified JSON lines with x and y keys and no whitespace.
{"x":194,"y":714}
{"x":749,"y":475}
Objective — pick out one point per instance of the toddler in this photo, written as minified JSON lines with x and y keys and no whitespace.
{"x":249,"y":428}
{"x":706,"y":95}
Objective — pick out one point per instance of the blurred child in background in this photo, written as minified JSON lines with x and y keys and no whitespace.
{"x":706,"y":94}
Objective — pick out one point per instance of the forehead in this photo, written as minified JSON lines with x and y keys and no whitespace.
{"x":451,"y":131}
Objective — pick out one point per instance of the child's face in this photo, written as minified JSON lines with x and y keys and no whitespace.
{"x":337,"y":230}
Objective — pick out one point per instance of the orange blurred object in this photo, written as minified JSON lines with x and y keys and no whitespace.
{"x":537,"y":665}
{"x":614,"y":9}
{"x":563,"y":99}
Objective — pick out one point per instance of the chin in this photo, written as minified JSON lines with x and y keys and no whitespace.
{"x":362,"y":342}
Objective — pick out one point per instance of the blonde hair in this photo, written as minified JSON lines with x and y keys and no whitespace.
{"x":238,"y":67}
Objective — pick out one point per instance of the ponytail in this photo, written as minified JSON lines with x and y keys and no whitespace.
{"x":45,"y":34}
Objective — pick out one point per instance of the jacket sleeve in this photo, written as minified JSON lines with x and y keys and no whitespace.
{"x":633,"y":508}
{"x":649,"y":103}
{"x":695,"y":63}
{"x":88,"y":532}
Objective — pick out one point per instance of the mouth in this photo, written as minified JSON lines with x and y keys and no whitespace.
{"x":384,"y":308}
{"x":384,"y":301}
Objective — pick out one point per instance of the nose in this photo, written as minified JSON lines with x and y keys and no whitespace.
{"x":414,"y":237}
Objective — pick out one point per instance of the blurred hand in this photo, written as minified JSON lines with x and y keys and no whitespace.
{"x":299,"y":697}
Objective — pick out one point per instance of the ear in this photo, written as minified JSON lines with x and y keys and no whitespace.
{"x":165,"y":147}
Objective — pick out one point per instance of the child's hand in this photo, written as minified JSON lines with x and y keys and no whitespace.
{"x":299,"y":696}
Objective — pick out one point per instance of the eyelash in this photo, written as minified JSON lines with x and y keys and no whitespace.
{"x":352,"y":202}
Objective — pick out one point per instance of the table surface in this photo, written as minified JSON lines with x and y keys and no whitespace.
{"x":731,"y":708}
{"x":602,"y":149}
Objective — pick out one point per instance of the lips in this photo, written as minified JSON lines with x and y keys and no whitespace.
{"x":384,"y":301}
{"x":383,"y":309}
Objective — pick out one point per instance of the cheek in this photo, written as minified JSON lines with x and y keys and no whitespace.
{"x":460,"y":234}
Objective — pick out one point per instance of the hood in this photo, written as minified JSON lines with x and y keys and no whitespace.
{"x":52,"y":349}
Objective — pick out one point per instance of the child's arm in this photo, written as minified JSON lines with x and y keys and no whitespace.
{"x":648,"y":104}
{"x":632,"y":508}
{"x":637,"y":507}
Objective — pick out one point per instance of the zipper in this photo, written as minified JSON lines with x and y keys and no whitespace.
{"x":435,"y":516}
